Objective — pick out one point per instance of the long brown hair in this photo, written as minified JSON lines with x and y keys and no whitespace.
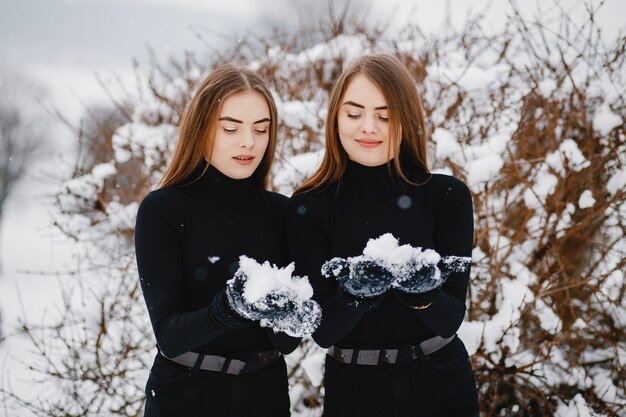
{"x":200,"y":118}
{"x":408,"y":129}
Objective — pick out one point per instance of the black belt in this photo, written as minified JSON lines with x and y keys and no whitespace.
{"x":388,"y":355}
{"x":225,"y":365}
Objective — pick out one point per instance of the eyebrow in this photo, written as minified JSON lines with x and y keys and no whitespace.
{"x":230,"y":119}
{"x":352,"y":103}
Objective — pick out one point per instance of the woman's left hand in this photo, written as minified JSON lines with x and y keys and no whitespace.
{"x":281,"y":309}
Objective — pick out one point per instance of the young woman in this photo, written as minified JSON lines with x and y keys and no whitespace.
{"x":211,"y":207}
{"x":391,"y":352}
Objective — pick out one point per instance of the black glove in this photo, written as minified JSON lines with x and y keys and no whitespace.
{"x":418,"y":277}
{"x":416,"y":300}
{"x":354,"y":303}
{"x":234,"y":291}
{"x":289,"y":315}
{"x":280,"y":304}
{"x":420,"y":283}
{"x":279,"y":309}
{"x":364,"y":278}
{"x":221,"y":311}
{"x":451,"y":264}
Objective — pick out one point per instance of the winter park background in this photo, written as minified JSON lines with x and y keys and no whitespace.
{"x":526,"y":103}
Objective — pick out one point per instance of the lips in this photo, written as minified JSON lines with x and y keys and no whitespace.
{"x":368,"y":143}
{"x":243,"y":159}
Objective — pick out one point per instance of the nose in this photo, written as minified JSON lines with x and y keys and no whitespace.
{"x":247,"y":141}
{"x":369,"y":124}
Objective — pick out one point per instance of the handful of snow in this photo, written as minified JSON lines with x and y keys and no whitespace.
{"x":414,"y":270}
{"x":387,"y":250}
{"x":265,"y":278}
{"x":272,"y":295}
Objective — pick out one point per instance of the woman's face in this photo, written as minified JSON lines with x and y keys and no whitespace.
{"x":242,"y":134}
{"x":363,"y":123}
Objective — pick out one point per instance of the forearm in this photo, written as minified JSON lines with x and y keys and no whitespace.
{"x":177,"y":333}
{"x":444,"y":315}
{"x":339,"y":316}
{"x":454,"y":233}
{"x":283,"y":342}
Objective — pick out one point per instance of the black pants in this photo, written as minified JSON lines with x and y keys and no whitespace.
{"x":174,"y":391}
{"x":440,"y":384}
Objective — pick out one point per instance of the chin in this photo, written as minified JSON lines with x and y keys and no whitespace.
{"x":241,"y":173}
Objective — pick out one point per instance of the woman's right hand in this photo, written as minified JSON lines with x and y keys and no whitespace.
{"x":364,"y":278}
{"x":224,"y":314}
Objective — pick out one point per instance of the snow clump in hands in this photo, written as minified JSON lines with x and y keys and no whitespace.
{"x":407,"y":268}
{"x":272,"y":295}
{"x":372,"y":273}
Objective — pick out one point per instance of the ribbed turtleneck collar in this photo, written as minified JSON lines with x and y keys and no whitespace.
{"x":380,"y":172}
{"x":380,"y":178}
{"x":216,"y":180}
{"x":370,"y":180}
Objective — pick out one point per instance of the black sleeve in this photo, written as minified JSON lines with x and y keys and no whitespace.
{"x":281,"y":341}
{"x":454,"y":235}
{"x":307,"y":224}
{"x":159,"y":262}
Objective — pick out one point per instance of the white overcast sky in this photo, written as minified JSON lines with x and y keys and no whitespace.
{"x":62,"y":43}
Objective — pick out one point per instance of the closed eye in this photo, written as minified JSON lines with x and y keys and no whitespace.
{"x":384,"y":118}
{"x":230,"y":129}
{"x":260,"y":131}
{"x":353,"y":115}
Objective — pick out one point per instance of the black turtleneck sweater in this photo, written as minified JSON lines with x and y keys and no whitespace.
{"x":188,"y":240}
{"x":370,"y":201}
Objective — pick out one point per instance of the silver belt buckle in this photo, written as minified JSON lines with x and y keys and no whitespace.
{"x":390,"y":356}
{"x":368,"y":357}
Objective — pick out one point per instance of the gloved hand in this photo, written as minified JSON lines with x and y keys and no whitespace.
{"x":289,"y":315}
{"x":418,"y":283}
{"x":280,"y":309}
{"x":419,"y":276}
{"x":234,"y":291}
{"x":451,"y":264}
{"x":225,"y":315}
{"x":281,"y":302}
{"x":421,"y":281}
{"x":354,"y":303}
{"x":364,"y":278}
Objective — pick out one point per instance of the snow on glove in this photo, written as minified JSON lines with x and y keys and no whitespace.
{"x":270,"y":294}
{"x":359,"y":276}
{"x":291,"y":315}
{"x":339,"y":268}
{"x":234,"y":290}
{"x":427,"y":271}
{"x":372,"y":273}
{"x":420,"y":274}
{"x":421,"y":288}
{"x":451,"y":264}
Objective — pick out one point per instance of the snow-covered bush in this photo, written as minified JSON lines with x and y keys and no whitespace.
{"x":532,"y":118}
